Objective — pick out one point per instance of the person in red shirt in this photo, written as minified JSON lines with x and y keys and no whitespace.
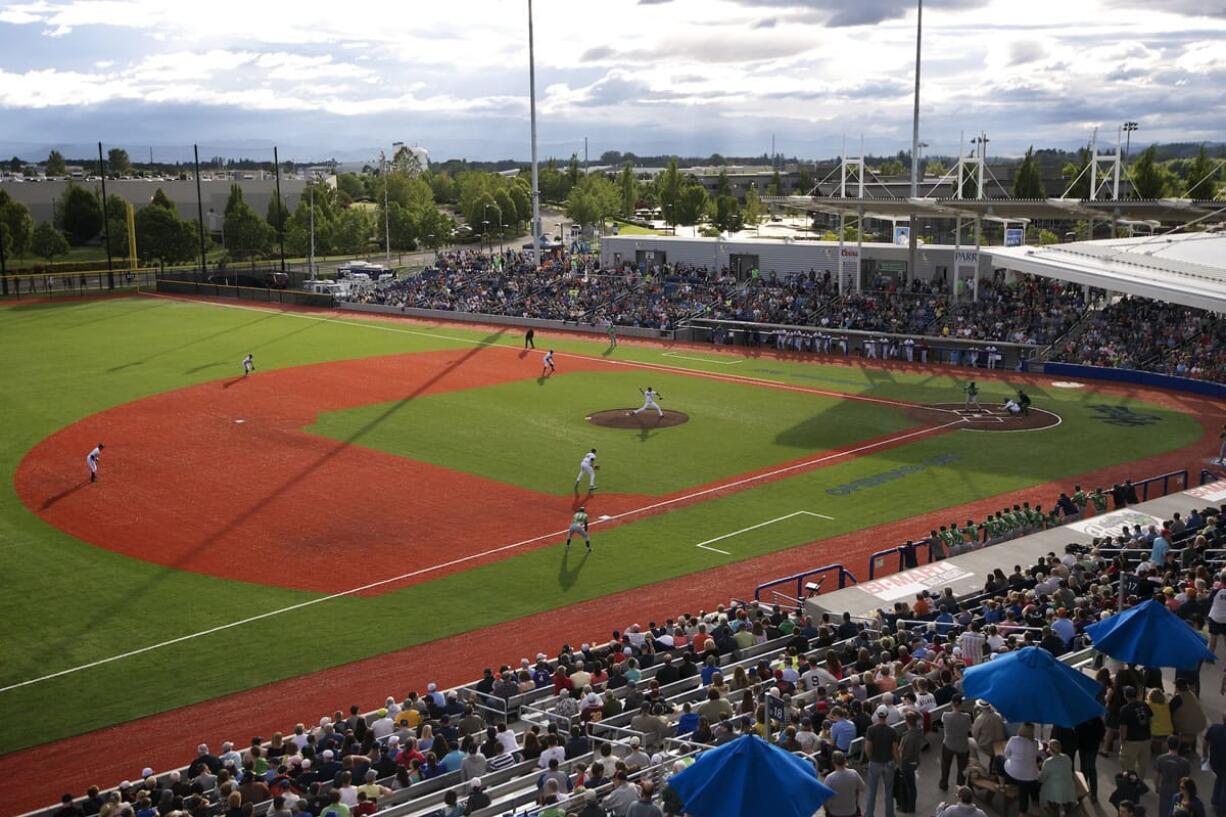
{"x":561,"y":681}
{"x":365,"y":806}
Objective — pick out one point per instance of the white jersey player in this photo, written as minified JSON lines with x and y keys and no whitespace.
{"x":650,"y":396}
{"x":588,"y":466}
{"x":248,"y":364}
{"x":92,"y":461}
{"x":547,"y":364}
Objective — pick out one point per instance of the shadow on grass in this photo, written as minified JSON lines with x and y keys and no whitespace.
{"x":567,"y":575}
{"x":192,"y":342}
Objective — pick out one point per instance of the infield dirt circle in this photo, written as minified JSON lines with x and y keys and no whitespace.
{"x":988,"y":418}
{"x":626,"y":418}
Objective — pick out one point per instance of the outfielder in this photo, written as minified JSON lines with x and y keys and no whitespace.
{"x":248,"y":364}
{"x":588,"y":466}
{"x":547,"y":365}
{"x":92,"y":461}
{"x":649,"y":401}
{"x":578,"y":527}
{"x":972,"y":395}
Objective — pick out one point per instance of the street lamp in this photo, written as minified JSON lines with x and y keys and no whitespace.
{"x":1129,"y":127}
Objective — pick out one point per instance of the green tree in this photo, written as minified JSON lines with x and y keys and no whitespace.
{"x":754,"y":209}
{"x":554,"y":185}
{"x":117,"y":223}
{"x":1076,"y":175}
{"x":164,"y":237}
{"x":668,"y":190}
{"x":47,"y":242}
{"x":353,"y":231}
{"x":1150,"y":180}
{"x":775,"y":186}
{"x":521,"y":197}
{"x":247,"y":235}
{"x":56,"y":166}
{"x":804,"y":181}
{"x":277,"y":215}
{"x":506,"y":210}
{"x":628,"y":189}
{"x":117,"y":162}
{"x":593,"y":199}
{"x":1202,"y":176}
{"x":483,"y":214}
{"x":444,"y":187}
{"x":350,"y":186}
{"x":727,"y":213}
{"x":692,"y":203}
{"x":572,"y":171}
{"x":1028,"y":183}
{"x":160,"y":199}
{"x":723,"y":187}
{"x":1048,"y":237}
{"x":79,"y":213}
{"x":892,"y":167}
{"x":17,"y":224}
{"x":935,"y":167}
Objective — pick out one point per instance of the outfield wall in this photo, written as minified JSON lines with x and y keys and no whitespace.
{"x":508,"y":320}
{"x":1153,"y":379}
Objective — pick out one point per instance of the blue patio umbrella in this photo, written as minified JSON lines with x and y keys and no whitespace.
{"x":1151,"y":635}
{"x":749,"y":777}
{"x":1032,"y":685}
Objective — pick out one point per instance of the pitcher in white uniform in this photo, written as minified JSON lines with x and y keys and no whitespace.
{"x":650,"y":396}
{"x":588,"y":466}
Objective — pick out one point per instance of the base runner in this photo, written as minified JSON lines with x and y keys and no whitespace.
{"x":578,"y":527}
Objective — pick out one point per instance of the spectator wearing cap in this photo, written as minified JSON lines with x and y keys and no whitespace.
{"x":636,"y":758}
{"x":881,"y":749}
{"x":955,"y":741}
{"x":435,"y":696}
{"x":618,"y":801}
{"x":988,"y":730}
{"x":477,"y":798}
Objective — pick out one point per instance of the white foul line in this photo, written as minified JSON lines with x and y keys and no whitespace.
{"x":703,"y":359}
{"x":704,"y":545}
{"x":473,"y":556}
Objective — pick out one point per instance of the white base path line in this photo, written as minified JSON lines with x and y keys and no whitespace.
{"x":376,"y":321}
{"x":727,"y":486}
{"x":793,"y":514}
{"x":703,"y":359}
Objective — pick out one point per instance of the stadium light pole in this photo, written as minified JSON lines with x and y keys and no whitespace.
{"x":536,"y":189}
{"x":1129,"y":127}
{"x":912,"y":239}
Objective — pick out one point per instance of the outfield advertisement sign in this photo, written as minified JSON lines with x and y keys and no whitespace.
{"x":906,"y":584}
{"x":902,"y":235}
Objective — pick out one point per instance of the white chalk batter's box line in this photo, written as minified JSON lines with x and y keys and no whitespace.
{"x":707,"y":544}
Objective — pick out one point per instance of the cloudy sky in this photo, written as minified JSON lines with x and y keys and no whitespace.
{"x":652,"y":76}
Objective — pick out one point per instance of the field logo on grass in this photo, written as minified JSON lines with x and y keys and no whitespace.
{"x":1124,"y":416}
{"x":884,"y":477}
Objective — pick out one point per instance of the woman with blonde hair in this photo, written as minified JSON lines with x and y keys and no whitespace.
{"x":1057,"y":791}
{"x":1022,"y":764}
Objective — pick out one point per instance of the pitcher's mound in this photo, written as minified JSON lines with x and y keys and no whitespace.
{"x":622,"y":418}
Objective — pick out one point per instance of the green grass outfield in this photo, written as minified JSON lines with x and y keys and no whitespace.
{"x":69,"y":603}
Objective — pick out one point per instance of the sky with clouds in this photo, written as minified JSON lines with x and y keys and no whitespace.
{"x":692,"y":77}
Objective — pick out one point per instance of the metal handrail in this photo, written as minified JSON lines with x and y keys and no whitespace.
{"x":846,"y":578}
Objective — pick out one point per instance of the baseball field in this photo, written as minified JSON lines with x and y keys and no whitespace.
{"x":383,"y":502}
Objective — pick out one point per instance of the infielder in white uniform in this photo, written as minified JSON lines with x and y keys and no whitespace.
{"x":547,"y":364}
{"x":649,"y":401}
{"x":248,"y":364}
{"x":588,"y":466}
{"x":92,"y":461}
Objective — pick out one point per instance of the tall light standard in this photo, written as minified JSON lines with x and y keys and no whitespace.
{"x":912,"y":246}
{"x":536,"y":190}
{"x":1129,"y":127}
{"x":387,"y":230}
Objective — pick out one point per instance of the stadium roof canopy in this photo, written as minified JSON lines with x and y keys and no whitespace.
{"x":1184,"y":268}
{"x":1162,"y":211}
